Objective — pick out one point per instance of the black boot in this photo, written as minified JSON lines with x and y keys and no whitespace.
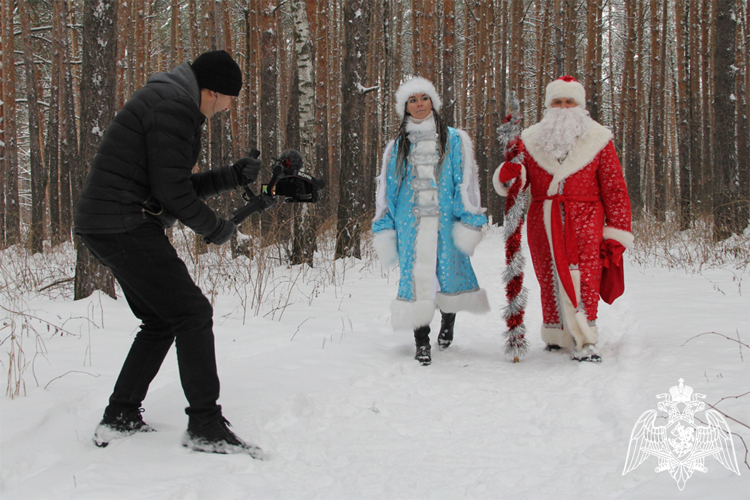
{"x":216,"y":437}
{"x":119,"y":425}
{"x":445,"y":338}
{"x":422,"y":339}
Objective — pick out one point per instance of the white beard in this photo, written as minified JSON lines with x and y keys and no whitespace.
{"x":560,"y":129}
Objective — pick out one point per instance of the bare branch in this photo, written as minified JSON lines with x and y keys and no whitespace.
{"x":716,"y":333}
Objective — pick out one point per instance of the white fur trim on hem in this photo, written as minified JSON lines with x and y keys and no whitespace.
{"x":557,"y":336}
{"x":407,"y":315}
{"x":562,"y":338}
{"x":466,"y":238}
{"x":623,"y":237}
{"x":386,"y":246}
{"x":474,"y":302}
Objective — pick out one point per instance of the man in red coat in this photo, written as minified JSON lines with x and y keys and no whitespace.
{"x":579,"y":199}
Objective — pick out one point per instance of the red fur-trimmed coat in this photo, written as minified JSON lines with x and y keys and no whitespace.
{"x":588,"y":191}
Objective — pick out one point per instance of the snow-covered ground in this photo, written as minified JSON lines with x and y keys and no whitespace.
{"x":321,"y":382}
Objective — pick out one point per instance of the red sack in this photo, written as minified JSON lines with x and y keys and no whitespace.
{"x":613,"y":274}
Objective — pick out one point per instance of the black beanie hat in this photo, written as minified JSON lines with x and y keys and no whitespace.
{"x":217,"y":71}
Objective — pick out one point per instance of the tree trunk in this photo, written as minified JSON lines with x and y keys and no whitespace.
{"x":38,"y":226}
{"x":593,"y":61}
{"x":352,"y":184}
{"x":97,"y":111}
{"x":321,"y":161}
{"x":303,"y":242}
{"x":727,"y":198}
{"x":541,"y":53}
{"x":195,"y":42}
{"x":743,"y":127}
{"x":448,"y":88}
{"x":571,"y":28}
{"x":53,"y":129}
{"x":657,"y":113}
{"x":175,"y":36}
{"x":69,"y":156}
{"x":12,"y":201}
{"x":697,"y":166}
{"x":626,"y":98}
{"x":633,"y":142}
{"x":558,"y":16}
{"x":516,"y":64}
{"x":683,"y":113}
{"x":2,"y":134}
{"x":707,"y":119}
{"x":268,"y":79}
{"x":493,"y":115}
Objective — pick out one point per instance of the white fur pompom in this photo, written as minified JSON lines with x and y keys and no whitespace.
{"x":386,"y":246}
{"x":466,"y":238}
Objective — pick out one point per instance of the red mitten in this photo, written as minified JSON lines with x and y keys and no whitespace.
{"x":613,"y":275}
{"x":509,"y":171}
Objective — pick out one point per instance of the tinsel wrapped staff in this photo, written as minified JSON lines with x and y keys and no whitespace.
{"x":509,"y":132}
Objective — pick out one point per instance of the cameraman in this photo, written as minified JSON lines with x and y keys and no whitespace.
{"x":140,"y":183}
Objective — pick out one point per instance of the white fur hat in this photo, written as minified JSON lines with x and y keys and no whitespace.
{"x":565,"y":86}
{"x":416,"y":85}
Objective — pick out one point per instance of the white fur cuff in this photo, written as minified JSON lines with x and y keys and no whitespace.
{"x":625,"y":238}
{"x":499,"y":188}
{"x":386,"y":246}
{"x":466,"y":238}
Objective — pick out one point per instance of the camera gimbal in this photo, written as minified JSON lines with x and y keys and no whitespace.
{"x":287,"y":180}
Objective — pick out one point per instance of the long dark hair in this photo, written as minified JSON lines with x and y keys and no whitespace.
{"x":404,"y":145}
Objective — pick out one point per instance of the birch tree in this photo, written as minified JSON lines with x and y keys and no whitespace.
{"x":303,"y":243}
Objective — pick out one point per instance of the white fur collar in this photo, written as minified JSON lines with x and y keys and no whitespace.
{"x":427,"y":124}
{"x":585,"y":150}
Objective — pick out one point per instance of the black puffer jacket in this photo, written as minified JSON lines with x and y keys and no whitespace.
{"x":144,"y":163}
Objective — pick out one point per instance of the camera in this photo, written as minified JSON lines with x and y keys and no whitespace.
{"x":287,"y":180}
{"x":299,"y":188}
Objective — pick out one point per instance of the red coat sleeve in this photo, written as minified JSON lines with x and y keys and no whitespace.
{"x":615,"y":198}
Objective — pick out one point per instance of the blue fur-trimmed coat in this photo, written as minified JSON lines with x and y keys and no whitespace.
{"x":430,"y":228}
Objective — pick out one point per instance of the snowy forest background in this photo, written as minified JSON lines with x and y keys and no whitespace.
{"x":669,"y":77}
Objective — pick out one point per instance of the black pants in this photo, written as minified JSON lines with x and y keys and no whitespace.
{"x":171,"y":307}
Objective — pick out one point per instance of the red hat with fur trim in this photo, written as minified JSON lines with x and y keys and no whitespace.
{"x":565,"y":86}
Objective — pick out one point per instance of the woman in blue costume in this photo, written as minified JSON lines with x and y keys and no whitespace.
{"x":428,"y":218}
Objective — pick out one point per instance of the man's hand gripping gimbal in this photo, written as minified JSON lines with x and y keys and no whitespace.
{"x":287,"y":180}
